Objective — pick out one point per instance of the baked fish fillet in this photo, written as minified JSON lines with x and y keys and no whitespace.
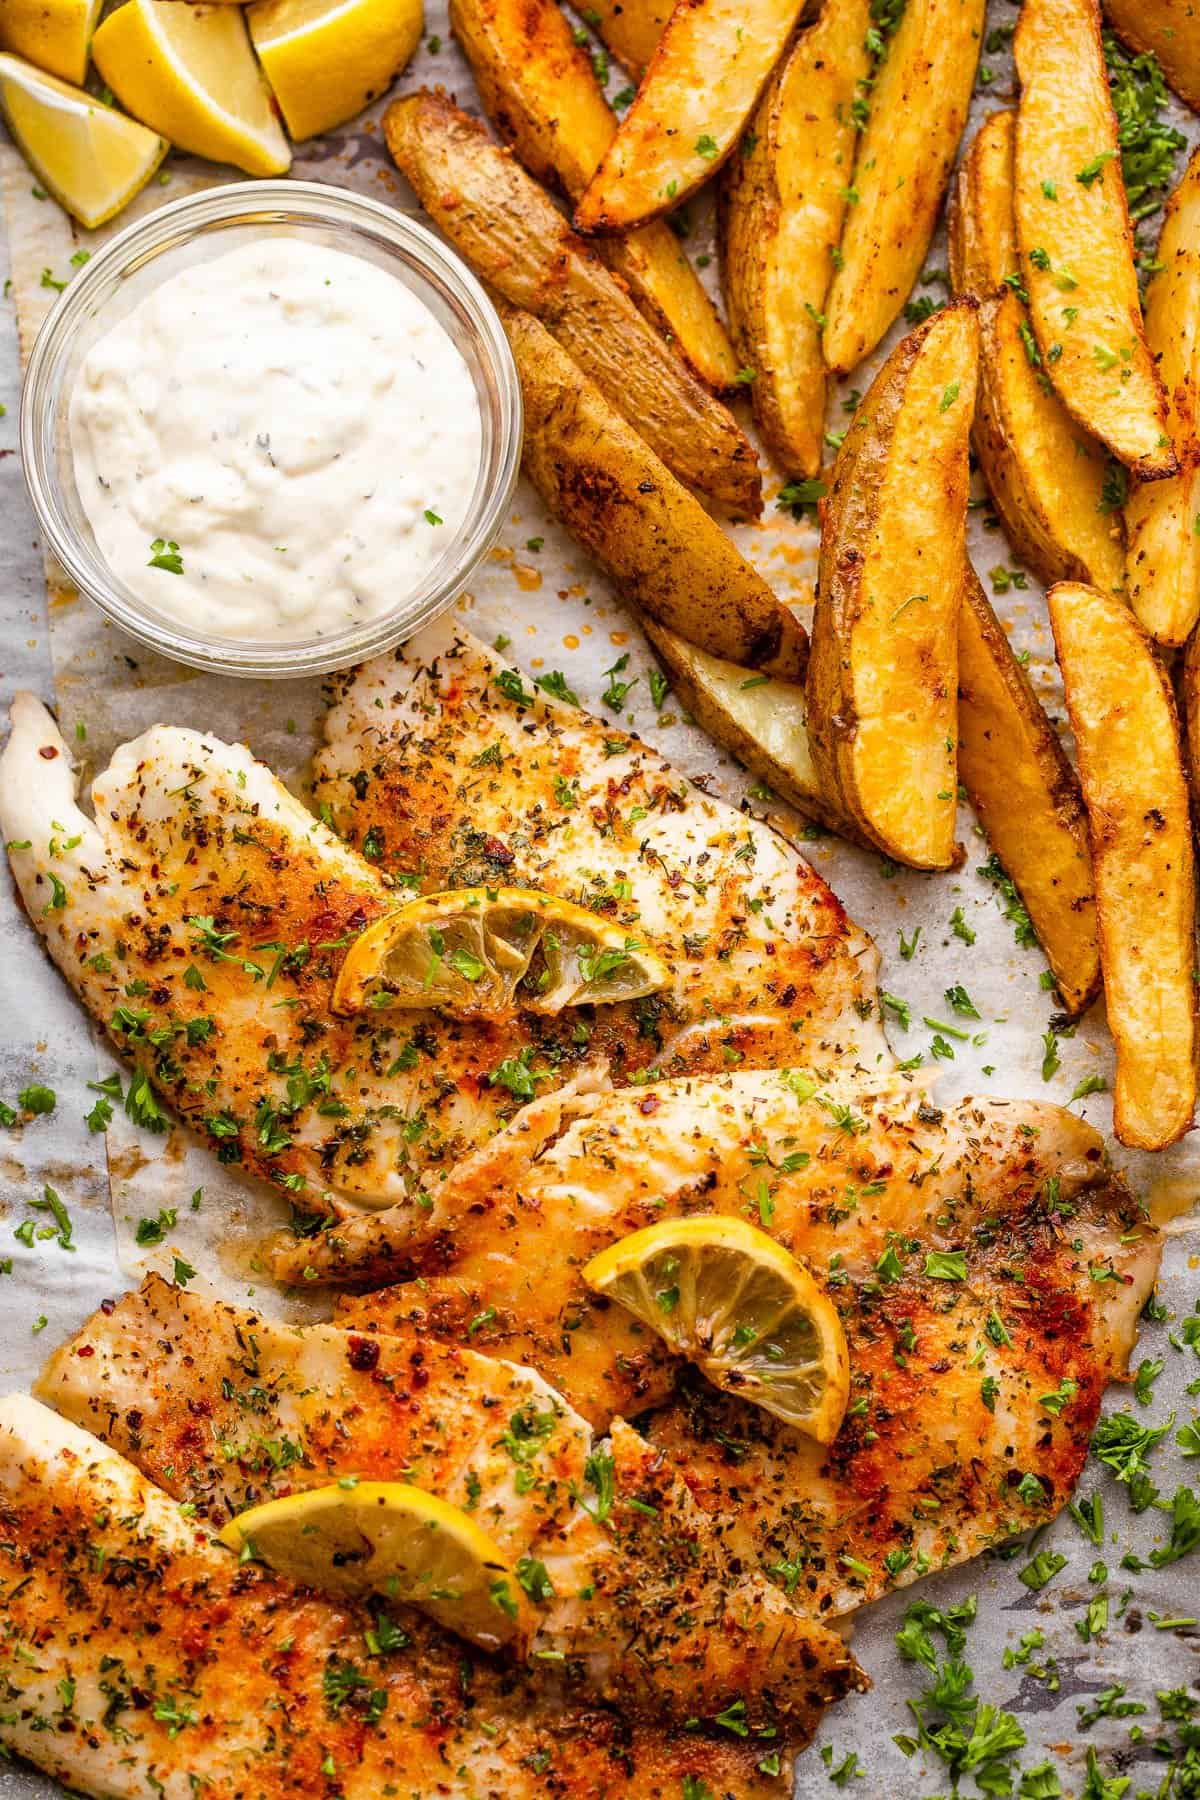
{"x":203,"y":915}
{"x":139,"y":1658}
{"x":223,"y":1408}
{"x":988,"y":1266}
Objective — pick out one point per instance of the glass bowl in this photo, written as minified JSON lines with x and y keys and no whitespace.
{"x":206,"y":224}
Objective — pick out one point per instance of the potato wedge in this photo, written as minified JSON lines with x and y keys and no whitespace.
{"x":1027,"y":797}
{"x":630,"y":29}
{"x":513,"y":235}
{"x":540,"y":92}
{"x":1046,"y":476}
{"x":760,"y":719}
{"x":707,"y":71}
{"x":783,"y":201}
{"x":1170,"y":31}
{"x":883,"y":674}
{"x":1131,"y":771}
{"x":1075,"y":237}
{"x":919,"y":105}
{"x":662,"y":550}
{"x":1162,"y":570}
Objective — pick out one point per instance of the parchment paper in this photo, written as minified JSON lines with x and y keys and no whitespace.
{"x":560,"y":614}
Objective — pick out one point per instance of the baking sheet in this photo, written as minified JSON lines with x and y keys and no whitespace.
{"x":560,"y":614}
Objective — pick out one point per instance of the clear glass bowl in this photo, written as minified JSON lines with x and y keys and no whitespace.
{"x":207,"y":224}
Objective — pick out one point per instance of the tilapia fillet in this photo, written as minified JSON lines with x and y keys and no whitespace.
{"x":139,"y":1658}
{"x":987,"y":1264}
{"x":223,"y":1408}
{"x":203,"y":915}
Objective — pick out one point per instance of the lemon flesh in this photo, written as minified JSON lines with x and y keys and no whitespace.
{"x":734,"y":1302}
{"x":328,"y":59}
{"x":189,"y":73}
{"x":92,"y":159}
{"x":53,"y":34}
{"x":385,"y":1537}
{"x":483,"y":951}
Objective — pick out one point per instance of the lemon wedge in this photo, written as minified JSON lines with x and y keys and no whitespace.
{"x":738,"y":1305}
{"x":385,"y":1537}
{"x":92,"y":159}
{"x":327,"y":59}
{"x":53,"y":34}
{"x":189,"y":73}
{"x":482,"y":951}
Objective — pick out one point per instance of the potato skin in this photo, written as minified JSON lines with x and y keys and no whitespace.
{"x":783,"y":201}
{"x":514,"y":237}
{"x":1170,"y":31}
{"x":1027,"y":797}
{"x":1131,"y":771}
{"x":662,"y":550}
{"x":1045,"y":475}
{"x":883,"y":672}
{"x":539,"y":90}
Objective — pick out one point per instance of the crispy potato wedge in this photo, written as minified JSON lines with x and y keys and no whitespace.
{"x":760,"y":719}
{"x":883,"y":674}
{"x":706,"y":74}
{"x":513,"y":235}
{"x":1075,"y":237}
{"x":662,"y":550}
{"x":540,"y":91}
{"x":1162,"y":571}
{"x":1046,"y":476}
{"x":631,"y":29}
{"x":783,"y":201}
{"x":1131,"y":771}
{"x":1170,"y":31}
{"x":1026,"y":794}
{"x":919,"y":105}
{"x":1189,"y":700}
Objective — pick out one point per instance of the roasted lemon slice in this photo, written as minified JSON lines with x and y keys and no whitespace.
{"x":385,"y":1537}
{"x":485,"y":950}
{"x":327,"y":59}
{"x":734,"y":1302}
{"x":189,"y":72}
{"x":54,"y":34}
{"x":90,"y":158}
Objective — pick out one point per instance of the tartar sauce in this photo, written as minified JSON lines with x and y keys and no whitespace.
{"x":275,"y":444}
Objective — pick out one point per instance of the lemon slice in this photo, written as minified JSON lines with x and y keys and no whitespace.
{"x":327,"y":59}
{"x":481,"y":950}
{"x":734,"y":1302}
{"x":54,"y":34}
{"x":89,"y":157}
{"x":385,"y":1537}
{"x":189,"y":72}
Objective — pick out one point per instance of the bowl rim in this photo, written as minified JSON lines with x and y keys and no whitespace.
{"x":275,"y":202}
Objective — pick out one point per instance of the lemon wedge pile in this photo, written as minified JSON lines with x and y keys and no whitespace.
{"x":327,"y":59}
{"x":90,"y":158}
{"x":386,"y":1537}
{"x":722,"y":1293}
{"x":481,"y":951}
{"x":53,"y":34}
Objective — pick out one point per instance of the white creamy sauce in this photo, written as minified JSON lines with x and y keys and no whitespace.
{"x":296,"y":422}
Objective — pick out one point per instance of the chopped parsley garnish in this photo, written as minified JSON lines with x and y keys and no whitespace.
{"x":164,"y":554}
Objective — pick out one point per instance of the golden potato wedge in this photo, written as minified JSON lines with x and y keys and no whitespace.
{"x":919,"y":104}
{"x":782,"y":205}
{"x":883,"y":673}
{"x":707,"y":71}
{"x":1075,"y":237}
{"x":1131,"y":771}
{"x":630,"y":29}
{"x":1162,"y":518}
{"x":1046,"y":476}
{"x":761,"y":719}
{"x":1027,"y":797}
{"x":513,"y":235}
{"x":540,"y":92}
{"x":662,"y":550}
{"x":1170,"y":31}
{"x":1189,"y":700}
